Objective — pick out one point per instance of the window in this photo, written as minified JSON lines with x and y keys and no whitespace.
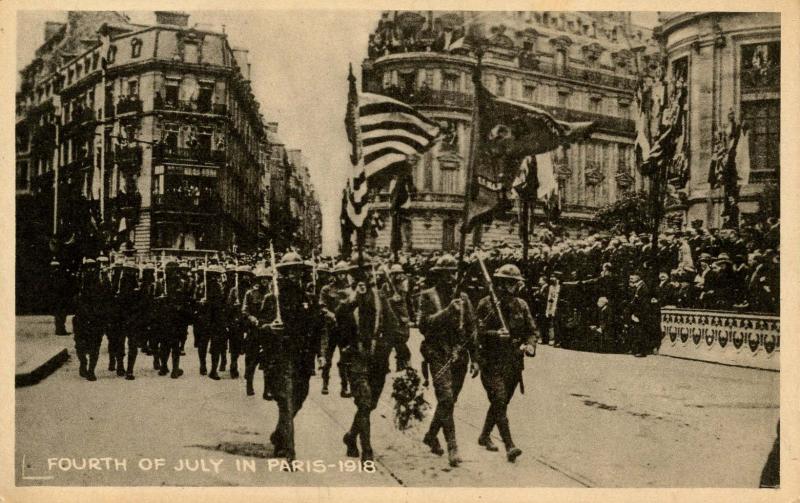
{"x":408,"y":81}
{"x":501,"y":85}
{"x":763,"y":120}
{"x":625,"y":110}
{"x":448,"y":235}
{"x":171,"y":92}
{"x":562,"y":99}
{"x":594,"y":104}
{"x":427,"y":180}
{"x":451,"y":82}
{"x":136,"y":48}
{"x":761,"y":67}
{"x":133,"y":88}
{"x":204,"y":97}
{"x":112,"y":54}
{"x":528,"y":91}
{"x":171,"y":136}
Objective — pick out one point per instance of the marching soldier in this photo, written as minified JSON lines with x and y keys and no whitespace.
{"x":125,"y":320}
{"x":446,"y":321}
{"x":292,"y":346}
{"x":215,"y":322}
{"x":370,"y":332}
{"x":396,"y":289}
{"x":501,"y":344}
{"x":172,"y":309}
{"x":332,"y":297}
{"x":236,"y":323}
{"x":90,"y":318}
{"x":253,"y":312}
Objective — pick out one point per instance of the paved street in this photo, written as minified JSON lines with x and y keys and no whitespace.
{"x":585,"y":420}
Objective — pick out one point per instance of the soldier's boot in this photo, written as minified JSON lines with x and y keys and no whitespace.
{"x":92,"y":364}
{"x":164,"y":369}
{"x":325,"y":385}
{"x":112,"y":362}
{"x":351,"y":442}
{"x":512,"y":452}
{"x":431,"y":438}
{"x":234,"y":366}
{"x":223,"y":360}
{"x":364,"y":435}
{"x":449,"y":429}
{"x":131,"y":362}
{"x":120,"y":365}
{"x":201,"y":353}
{"x":267,"y":394}
{"x":214,"y":363}
{"x":82,"y":368}
{"x":249,"y":387}
{"x":485,"y":439}
{"x":345,"y":392}
{"x":176,"y":360}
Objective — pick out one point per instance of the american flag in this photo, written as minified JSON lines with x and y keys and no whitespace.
{"x":383,"y":133}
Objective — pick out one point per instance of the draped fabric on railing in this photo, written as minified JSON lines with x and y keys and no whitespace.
{"x":751,"y":340}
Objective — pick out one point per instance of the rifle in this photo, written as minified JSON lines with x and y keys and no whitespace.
{"x":488,"y":279}
{"x":278,"y":322}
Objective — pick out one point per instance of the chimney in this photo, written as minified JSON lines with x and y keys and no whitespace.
{"x":174,"y":18}
{"x":51,"y":28}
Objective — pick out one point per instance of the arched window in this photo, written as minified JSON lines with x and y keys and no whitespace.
{"x":136,"y":48}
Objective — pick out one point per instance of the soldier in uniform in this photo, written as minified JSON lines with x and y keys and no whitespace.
{"x":500,"y":349}
{"x":293,"y":334}
{"x":371,"y":327}
{"x":125,"y":319}
{"x":187,"y":286}
{"x":90,"y":318}
{"x":447,"y":322}
{"x":332,"y":297}
{"x":236,"y":322}
{"x":215,"y":329}
{"x":255,"y":316}
{"x":172,"y":309}
{"x":396,"y":289}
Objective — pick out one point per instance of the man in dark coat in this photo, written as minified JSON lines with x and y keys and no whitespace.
{"x":501,"y":344}
{"x":447,"y":322}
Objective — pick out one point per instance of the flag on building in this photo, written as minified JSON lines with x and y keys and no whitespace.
{"x":662,"y":150}
{"x":508,"y":133}
{"x":401,"y":191}
{"x":743,"y":156}
{"x":383,"y":133}
{"x":345,"y":225}
{"x":390,"y":131}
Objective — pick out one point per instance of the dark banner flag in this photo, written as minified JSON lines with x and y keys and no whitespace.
{"x":509,"y":133}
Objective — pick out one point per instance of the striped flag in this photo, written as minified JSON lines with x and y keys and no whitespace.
{"x":383,"y":134}
{"x":390,"y":132}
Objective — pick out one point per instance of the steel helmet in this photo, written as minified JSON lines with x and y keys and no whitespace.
{"x":445,"y":263}
{"x":262,"y":272}
{"x":508,"y":271}
{"x":342,"y":266}
{"x":244,"y":269}
{"x":396,"y":269}
{"x":291,"y":259}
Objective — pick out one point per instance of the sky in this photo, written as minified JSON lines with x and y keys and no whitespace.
{"x":299,"y":72}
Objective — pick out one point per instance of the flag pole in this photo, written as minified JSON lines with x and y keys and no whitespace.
{"x":473,"y":150}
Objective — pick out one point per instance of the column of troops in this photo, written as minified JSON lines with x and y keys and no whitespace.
{"x":288,"y":319}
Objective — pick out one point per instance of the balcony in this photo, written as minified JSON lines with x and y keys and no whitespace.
{"x":191,"y":106}
{"x":197,"y":154}
{"x":429,"y":97}
{"x":600,"y":78}
{"x":761,"y":79}
{"x":77,"y":118}
{"x":128,"y":156}
{"x":129,"y":105}
{"x":190,"y":203}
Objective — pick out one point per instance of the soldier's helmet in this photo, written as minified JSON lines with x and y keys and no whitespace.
{"x":446,"y":262}
{"x":262,"y":272}
{"x":396,"y":269}
{"x":342,"y":267}
{"x":184,"y":266}
{"x":291,"y":259}
{"x":215,"y":269}
{"x":244,"y":269}
{"x":508,"y":271}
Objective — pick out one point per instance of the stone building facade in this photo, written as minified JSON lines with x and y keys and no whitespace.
{"x":577,"y":65}
{"x":732,"y":64}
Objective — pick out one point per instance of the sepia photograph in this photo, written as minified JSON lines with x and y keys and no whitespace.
{"x":321,"y":248}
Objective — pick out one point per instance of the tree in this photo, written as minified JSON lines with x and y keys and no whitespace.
{"x":630,"y":213}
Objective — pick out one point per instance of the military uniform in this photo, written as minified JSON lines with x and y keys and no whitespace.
{"x":89,"y":321}
{"x":171,"y":306}
{"x":449,"y":342}
{"x":371,"y":328}
{"x":237,"y":325}
{"x":290,"y":353}
{"x":501,"y":360}
{"x":255,"y":316}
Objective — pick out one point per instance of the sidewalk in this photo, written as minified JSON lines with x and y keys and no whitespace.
{"x":39,"y":352}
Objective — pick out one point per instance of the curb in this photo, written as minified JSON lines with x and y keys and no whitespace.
{"x":42,"y":371}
